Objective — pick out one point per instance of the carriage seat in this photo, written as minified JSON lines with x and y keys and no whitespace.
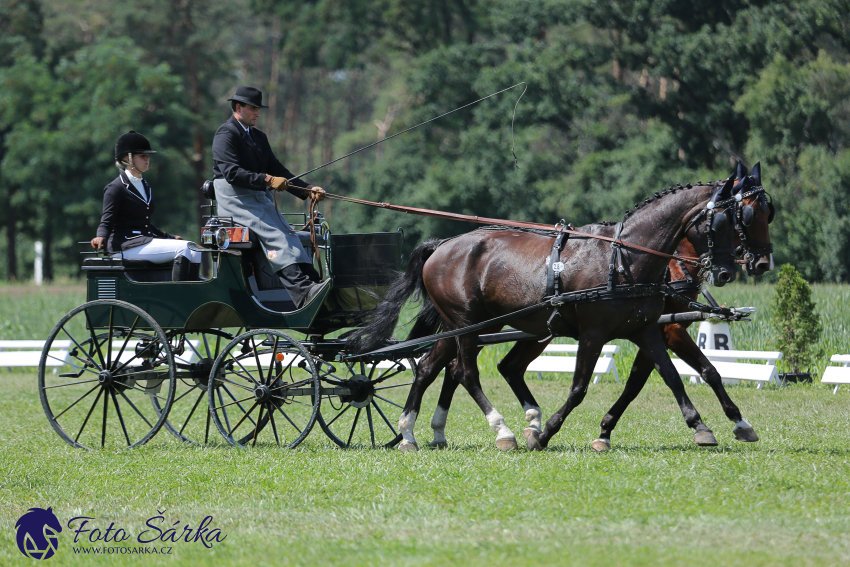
{"x":136,"y":270}
{"x":276,"y":299}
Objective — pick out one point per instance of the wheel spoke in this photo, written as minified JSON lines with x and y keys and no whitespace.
{"x":394,"y":386}
{"x":81,"y":349}
{"x":183,"y":395}
{"x":390,"y":425}
{"x":136,"y":355}
{"x":292,"y":423}
{"x":237,"y":384}
{"x":257,"y":357}
{"x":354,"y":425}
{"x":194,"y":407}
{"x":232,"y":397}
{"x":75,"y":403}
{"x":207,"y":430}
{"x":120,"y":416}
{"x":274,"y":428}
{"x":109,"y":339}
{"x":142,"y":390}
{"x":71,"y":364}
{"x":70,"y":384}
{"x":94,"y":342}
{"x":388,"y":401}
{"x":127,"y":339}
{"x":371,"y":425}
{"x":221,"y":402}
{"x":132,"y":405}
{"x":293,"y":400}
{"x":257,"y":425}
{"x":86,"y":420}
{"x":337,"y":416}
{"x":235,"y":402}
{"x":105,"y":411}
{"x":250,"y":377}
{"x":248,"y":413}
{"x":272,"y":360}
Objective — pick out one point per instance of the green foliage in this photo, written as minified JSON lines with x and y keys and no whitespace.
{"x":796,"y":322}
{"x":624,"y":99}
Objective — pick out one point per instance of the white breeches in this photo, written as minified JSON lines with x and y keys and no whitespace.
{"x":162,"y":251}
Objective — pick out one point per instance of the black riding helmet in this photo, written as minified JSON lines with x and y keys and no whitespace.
{"x":132,"y":143}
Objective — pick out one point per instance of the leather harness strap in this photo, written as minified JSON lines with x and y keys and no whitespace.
{"x":518,"y":224}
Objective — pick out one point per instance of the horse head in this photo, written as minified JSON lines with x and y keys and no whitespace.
{"x":710,"y":232}
{"x":753,"y":213}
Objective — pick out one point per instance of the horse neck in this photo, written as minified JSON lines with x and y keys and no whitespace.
{"x":685,"y":248}
{"x":660,"y":226}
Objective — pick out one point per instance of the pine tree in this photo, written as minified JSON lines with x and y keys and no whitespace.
{"x":796,"y":322}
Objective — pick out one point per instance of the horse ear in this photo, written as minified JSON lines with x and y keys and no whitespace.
{"x":726,"y":190}
{"x":741,"y":171}
{"x":756,"y":173}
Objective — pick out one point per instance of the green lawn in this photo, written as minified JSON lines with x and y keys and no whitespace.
{"x":655,"y":499}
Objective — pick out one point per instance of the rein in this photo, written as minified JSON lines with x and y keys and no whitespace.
{"x":694,"y":261}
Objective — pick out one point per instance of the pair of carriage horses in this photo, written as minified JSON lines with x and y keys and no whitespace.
{"x":486,"y":274}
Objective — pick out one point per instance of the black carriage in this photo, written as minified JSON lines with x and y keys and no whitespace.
{"x":229,"y":352}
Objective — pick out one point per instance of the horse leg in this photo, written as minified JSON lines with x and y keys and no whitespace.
{"x":438,"y":420}
{"x":512,"y":368}
{"x":589,"y":348}
{"x":641,"y":369}
{"x":467,"y":371}
{"x":649,"y":340}
{"x":426,"y":372}
{"x":680,"y":342}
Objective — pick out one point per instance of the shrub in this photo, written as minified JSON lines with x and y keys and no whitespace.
{"x":796,"y":323}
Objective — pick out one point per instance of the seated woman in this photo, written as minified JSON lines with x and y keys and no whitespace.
{"x":128,"y":206}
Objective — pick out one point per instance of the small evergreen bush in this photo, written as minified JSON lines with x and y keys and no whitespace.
{"x":796,"y":323}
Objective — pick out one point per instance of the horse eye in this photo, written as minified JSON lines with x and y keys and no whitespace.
{"x":747,"y":215}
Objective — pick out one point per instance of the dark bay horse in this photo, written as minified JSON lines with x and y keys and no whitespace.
{"x":485,"y":274}
{"x":753,"y":213}
{"x":752,"y":239}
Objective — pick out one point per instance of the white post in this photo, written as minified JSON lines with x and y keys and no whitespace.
{"x":717,"y":336}
{"x":39,"y":249}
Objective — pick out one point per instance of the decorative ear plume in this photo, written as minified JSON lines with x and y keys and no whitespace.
{"x":756,"y":173}
{"x":723,"y":193}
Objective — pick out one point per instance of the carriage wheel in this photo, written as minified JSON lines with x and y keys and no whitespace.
{"x":264,"y":388}
{"x":362,"y":403}
{"x":194,"y":353}
{"x":118,"y":358}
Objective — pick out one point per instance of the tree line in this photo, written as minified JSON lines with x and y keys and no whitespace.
{"x":624,"y":98}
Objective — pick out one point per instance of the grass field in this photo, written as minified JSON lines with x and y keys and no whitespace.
{"x":655,"y":499}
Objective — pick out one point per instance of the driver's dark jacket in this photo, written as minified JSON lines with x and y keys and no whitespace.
{"x":244,"y":160}
{"x":126,"y":221}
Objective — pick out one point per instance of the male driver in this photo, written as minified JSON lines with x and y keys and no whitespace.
{"x":245,"y":172}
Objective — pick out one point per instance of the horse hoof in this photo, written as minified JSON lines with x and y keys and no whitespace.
{"x":745,"y":434}
{"x":507,"y":444}
{"x":705,"y":439}
{"x":532,"y":439}
{"x":408,"y":446}
{"x":601,"y":445}
{"x":438,"y":444}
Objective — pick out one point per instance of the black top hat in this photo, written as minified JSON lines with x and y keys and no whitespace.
{"x":249,"y":95}
{"x":132,"y":143}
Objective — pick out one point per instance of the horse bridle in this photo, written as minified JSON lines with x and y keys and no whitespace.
{"x":706,"y":260}
{"x":750,"y":250}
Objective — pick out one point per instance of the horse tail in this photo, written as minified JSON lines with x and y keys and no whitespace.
{"x":407,"y":285}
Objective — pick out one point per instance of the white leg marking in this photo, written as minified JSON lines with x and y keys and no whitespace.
{"x":438,"y":424}
{"x":532,"y":416}
{"x":743,"y":424}
{"x":405,"y":425}
{"x":497,"y":424}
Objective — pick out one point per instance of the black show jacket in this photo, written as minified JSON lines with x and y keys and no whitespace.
{"x":244,"y":160}
{"x":126,"y":220}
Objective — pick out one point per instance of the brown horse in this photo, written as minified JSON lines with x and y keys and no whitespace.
{"x":486,"y":273}
{"x":753,"y":213}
